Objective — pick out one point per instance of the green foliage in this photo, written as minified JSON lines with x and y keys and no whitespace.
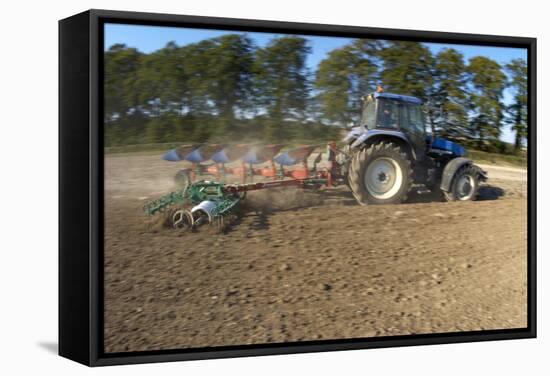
{"x":449,"y":95}
{"x":517,"y":111}
{"x":488,"y":82}
{"x":126,"y":130}
{"x":342,"y":79}
{"x":120,"y":70}
{"x":407,"y":69}
{"x":281,"y":84}
{"x":228,"y":89}
{"x":159,"y":80}
{"x":222,"y":72}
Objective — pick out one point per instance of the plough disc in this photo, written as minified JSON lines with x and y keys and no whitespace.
{"x":182,"y":219}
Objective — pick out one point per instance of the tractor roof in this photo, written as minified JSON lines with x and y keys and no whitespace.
{"x":398,"y":97}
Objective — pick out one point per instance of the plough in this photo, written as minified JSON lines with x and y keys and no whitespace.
{"x":248,"y":156}
{"x":381,"y":160}
{"x":209,"y":202}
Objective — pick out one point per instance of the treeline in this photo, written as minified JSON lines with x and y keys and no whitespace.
{"x":228,"y":88}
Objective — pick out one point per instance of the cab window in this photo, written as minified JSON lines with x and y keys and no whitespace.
{"x":369,"y":113}
{"x":387,"y":114}
{"x":412,"y":118}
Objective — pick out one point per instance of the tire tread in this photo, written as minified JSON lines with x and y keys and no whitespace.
{"x":358,"y":165}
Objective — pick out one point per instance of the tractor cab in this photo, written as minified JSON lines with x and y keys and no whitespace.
{"x":393,"y":111}
{"x":399,"y":113}
{"x":403,"y":115}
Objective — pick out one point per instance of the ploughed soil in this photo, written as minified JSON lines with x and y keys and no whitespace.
{"x":301,"y":266}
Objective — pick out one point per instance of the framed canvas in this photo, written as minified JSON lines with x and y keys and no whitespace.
{"x":234,"y":187}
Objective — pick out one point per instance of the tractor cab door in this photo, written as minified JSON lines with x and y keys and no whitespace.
{"x":411,"y":121}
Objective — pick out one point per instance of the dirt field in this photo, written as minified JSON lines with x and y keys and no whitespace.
{"x":304,"y":266}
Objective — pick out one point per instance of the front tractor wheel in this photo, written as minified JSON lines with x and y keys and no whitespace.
{"x":380,"y":174}
{"x":464,"y":185}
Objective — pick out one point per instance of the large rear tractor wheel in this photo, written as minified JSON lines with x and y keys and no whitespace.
{"x":464,"y":185}
{"x":380,"y":174}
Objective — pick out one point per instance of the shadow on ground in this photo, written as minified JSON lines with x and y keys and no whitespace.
{"x":489,"y":192}
{"x":341,"y":196}
{"x":51,"y":347}
{"x":260,"y":209}
{"x":485,"y":193}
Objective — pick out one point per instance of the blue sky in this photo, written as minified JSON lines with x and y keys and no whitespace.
{"x":151,"y":38}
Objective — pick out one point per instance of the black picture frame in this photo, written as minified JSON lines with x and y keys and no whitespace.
{"x":81,"y":186}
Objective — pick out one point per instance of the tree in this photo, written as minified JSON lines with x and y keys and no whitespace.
{"x":281,"y":86}
{"x":342,"y":79}
{"x":487,"y":83}
{"x":407,"y":69}
{"x":227,"y":88}
{"x":517,"y":111}
{"x":449,"y":94}
{"x":160,"y":82}
{"x":228,"y":62}
{"x":211,"y":77}
{"x":120,"y":69}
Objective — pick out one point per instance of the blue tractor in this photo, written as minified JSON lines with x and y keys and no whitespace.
{"x":390,"y":153}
